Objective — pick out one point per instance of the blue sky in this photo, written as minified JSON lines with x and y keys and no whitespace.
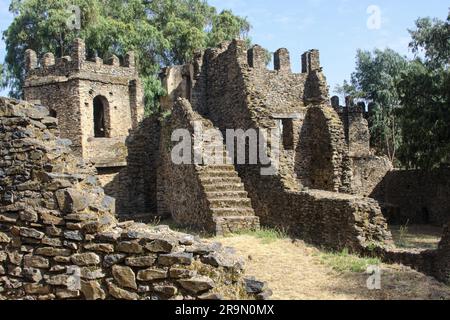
{"x":336,"y":27}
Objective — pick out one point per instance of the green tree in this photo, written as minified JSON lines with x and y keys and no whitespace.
{"x":161,"y":32}
{"x":425,"y":96}
{"x":375,"y":81}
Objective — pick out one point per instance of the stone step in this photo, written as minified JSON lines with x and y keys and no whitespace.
{"x":206,"y":180}
{"x":211,"y":173}
{"x":230,"y":203}
{"x":226,"y":194}
{"x":224,"y":187}
{"x":232,"y":212}
{"x":220,"y":167}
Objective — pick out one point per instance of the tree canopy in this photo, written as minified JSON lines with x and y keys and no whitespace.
{"x":161,"y":32}
{"x":410,"y":99}
{"x":375,"y":80}
{"x":425,"y":96}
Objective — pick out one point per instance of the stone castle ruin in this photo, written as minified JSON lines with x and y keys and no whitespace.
{"x":329,"y":188}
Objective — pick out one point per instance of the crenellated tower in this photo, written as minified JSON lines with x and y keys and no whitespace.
{"x":96,"y":102}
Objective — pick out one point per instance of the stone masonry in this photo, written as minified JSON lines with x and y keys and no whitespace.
{"x":59,"y":238}
{"x":96,"y":102}
{"x":329,"y":187}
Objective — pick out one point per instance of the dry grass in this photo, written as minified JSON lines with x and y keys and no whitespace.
{"x":416,"y":236}
{"x":296,"y":271}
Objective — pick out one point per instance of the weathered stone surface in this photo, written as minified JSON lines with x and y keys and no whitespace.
{"x":210,"y":296}
{"x":129,"y":247}
{"x":161,"y":246}
{"x":4,"y":238}
{"x":99,"y":247}
{"x":59,"y":280}
{"x":253,"y":286}
{"x":112,"y":259}
{"x":31,"y":233}
{"x":177,"y":273}
{"x":33,"y":288}
{"x":92,"y":290}
{"x":54,"y":242}
{"x":120,"y":293}
{"x":29,"y":215}
{"x":197,"y":284}
{"x":50,"y":219}
{"x":53,"y":252}
{"x":91,"y":273}
{"x":141,"y":262}
{"x":85,"y":259}
{"x":73,"y":235}
{"x":67,"y":294}
{"x":168,"y":291}
{"x":34,"y":261}
{"x":175,"y":258}
{"x":15,"y":258}
{"x":151,"y":275}
{"x":71,"y":200}
{"x":45,"y":251}
{"x":124,"y":276}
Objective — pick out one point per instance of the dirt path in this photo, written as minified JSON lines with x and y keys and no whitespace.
{"x":296,"y":271}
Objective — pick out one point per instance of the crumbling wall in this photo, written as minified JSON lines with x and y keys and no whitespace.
{"x":321,"y":151}
{"x":236,"y":95}
{"x":415,"y":196}
{"x":59,"y":238}
{"x":68,"y":86}
{"x":198,"y":194}
{"x":135,"y":187}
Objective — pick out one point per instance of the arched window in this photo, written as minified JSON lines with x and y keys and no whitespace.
{"x":100,"y":117}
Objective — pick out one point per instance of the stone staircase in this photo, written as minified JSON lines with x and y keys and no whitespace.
{"x":228,"y":202}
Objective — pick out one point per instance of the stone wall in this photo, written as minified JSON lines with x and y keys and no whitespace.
{"x":59,"y":238}
{"x":135,"y":187}
{"x":234,"y":91}
{"x":200,"y":195}
{"x":70,"y":85}
{"x":321,"y":151}
{"x":415,"y":196}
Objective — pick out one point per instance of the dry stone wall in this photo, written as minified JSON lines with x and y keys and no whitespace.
{"x":96,"y":102}
{"x":415,"y":196}
{"x":59,"y":238}
{"x":206,"y":196}
{"x":235,"y":92}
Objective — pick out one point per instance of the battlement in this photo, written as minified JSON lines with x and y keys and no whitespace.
{"x":349,"y":107}
{"x":78,"y":61}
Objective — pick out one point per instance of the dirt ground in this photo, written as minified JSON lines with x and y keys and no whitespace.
{"x":296,"y":271}
{"x":416,"y":236}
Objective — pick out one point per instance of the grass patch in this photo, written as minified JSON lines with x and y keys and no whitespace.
{"x":266,"y":235}
{"x":346,"y":262}
{"x":416,"y":236}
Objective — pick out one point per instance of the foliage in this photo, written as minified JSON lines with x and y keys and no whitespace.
{"x":425,"y":96}
{"x":266,"y":235}
{"x":375,"y":81}
{"x":161,"y":32}
{"x":409,"y":100}
{"x":345,"y":262}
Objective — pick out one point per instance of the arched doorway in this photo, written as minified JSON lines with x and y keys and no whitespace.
{"x":101,"y":120}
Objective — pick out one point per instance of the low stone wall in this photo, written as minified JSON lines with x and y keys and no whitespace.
{"x":435,"y":263}
{"x":415,"y":196}
{"x":59,"y":238}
